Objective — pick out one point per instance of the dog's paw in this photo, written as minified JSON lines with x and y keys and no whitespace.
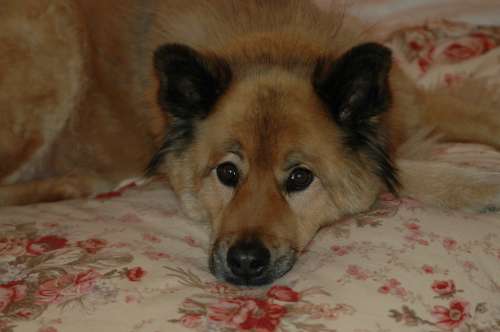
{"x":490,"y":209}
{"x":483,"y":193}
{"x":450,"y":186}
{"x":78,"y":186}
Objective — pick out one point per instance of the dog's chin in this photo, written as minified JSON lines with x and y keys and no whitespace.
{"x":279,"y":266}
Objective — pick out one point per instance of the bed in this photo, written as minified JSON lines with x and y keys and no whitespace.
{"x":129,"y":261}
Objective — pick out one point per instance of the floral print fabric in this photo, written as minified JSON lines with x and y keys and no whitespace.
{"x":445,"y":53}
{"x":128,"y":261}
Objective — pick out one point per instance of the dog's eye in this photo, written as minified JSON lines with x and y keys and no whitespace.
{"x":299,"y":179}
{"x":228,"y":174}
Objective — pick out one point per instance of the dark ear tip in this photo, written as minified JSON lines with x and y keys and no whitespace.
{"x":189,"y":81}
{"x":374,"y":49}
{"x":170,"y":52}
{"x":174,"y":48}
{"x":377,"y":52}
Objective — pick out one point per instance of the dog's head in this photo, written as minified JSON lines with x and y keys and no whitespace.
{"x":268,"y":155}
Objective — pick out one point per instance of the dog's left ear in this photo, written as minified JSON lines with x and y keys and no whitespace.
{"x":355,"y":87}
{"x":190,"y":82}
{"x":356,"y":90}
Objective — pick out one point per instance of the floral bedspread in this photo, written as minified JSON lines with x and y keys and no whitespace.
{"x":129,"y":261}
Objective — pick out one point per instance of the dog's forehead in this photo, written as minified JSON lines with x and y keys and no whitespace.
{"x":269,"y":128}
{"x":268,"y":121}
{"x":279,"y":121}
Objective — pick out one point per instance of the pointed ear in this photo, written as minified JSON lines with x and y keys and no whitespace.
{"x":190,"y":82}
{"x":356,"y":90}
{"x":355,"y":87}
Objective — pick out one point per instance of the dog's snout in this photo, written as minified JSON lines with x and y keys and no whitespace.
{"x":248,"y":259}
{"x":251,"y":261}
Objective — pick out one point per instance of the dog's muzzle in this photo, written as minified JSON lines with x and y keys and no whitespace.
{"x":250,"y":262}
{"x":248,"y":259}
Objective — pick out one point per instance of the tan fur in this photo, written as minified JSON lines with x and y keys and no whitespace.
{"x":79,"y":113}
{"x":65,"y":110}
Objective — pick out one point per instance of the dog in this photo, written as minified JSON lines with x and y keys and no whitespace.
{"x":269,"y":119}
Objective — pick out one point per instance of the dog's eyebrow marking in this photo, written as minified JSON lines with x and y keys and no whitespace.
{"x":294,"y":159}
{"x":234,"y":147}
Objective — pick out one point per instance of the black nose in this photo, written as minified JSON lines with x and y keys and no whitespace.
{"x":248,"y":259}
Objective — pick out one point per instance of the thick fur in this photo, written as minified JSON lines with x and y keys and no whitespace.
{"x":73,"y":117}
{"x":96,"y":91}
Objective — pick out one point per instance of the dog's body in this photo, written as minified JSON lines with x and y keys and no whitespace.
{"x":269,"y":118}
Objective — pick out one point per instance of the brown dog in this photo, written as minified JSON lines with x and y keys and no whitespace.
{"x":269,"y":118}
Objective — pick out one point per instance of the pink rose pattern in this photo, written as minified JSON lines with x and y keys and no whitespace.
{"x":30,"y":284}
{"x":268,"y":309}
{"x":246,"y":313}
{"x":56,"y":264}
{"x":452,"y":316}
{"x":421,"y":49}
{"x":444,"y":287}
{"x":283,"y":293}
{"x":135,"y":274}
{"x":92,"y":246}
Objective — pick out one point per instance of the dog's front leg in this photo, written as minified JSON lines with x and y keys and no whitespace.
{"x":450,"y":186}
{"x":53,"y":189}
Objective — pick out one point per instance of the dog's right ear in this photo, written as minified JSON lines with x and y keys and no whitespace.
{"x":356,"y":86}
{"x":190,"y":82}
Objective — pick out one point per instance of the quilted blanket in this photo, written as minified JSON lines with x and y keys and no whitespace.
{"x":129,"y":261}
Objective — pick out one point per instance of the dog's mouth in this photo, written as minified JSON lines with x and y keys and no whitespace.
{"x":250,"y":262}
